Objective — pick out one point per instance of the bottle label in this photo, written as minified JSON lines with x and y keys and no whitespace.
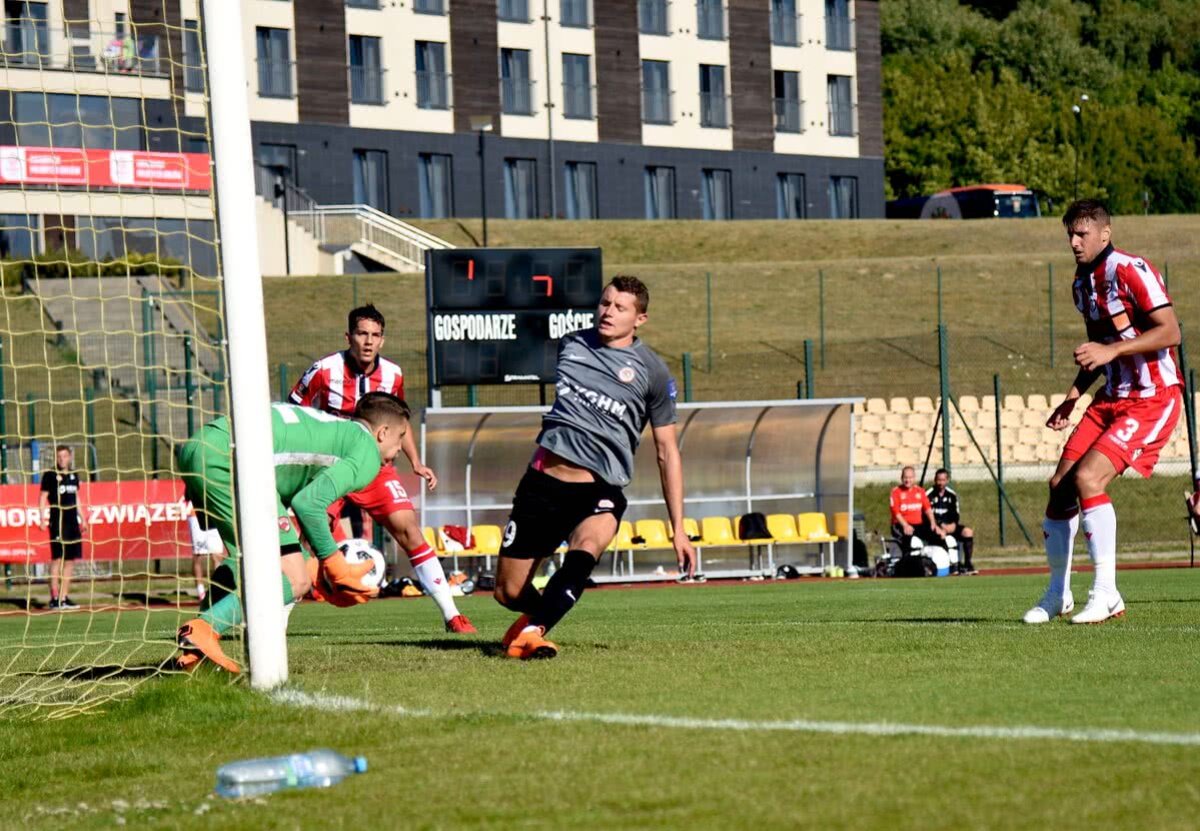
{"x":300,"y":767}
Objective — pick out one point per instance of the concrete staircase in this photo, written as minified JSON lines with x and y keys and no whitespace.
{"x":140,"y":339}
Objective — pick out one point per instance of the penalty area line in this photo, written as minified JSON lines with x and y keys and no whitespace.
{"x":343,"y":704}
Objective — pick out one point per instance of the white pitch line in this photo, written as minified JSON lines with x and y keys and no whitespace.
{"x":341,"y":704}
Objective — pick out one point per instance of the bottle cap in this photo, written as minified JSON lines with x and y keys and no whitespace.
{"x":360,"y":764}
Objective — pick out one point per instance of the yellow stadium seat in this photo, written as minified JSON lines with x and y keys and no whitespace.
{"x":911,"y":438}
{"x":624,"y":538}
{"x":883,"y":457}
{"x":487,"y":540}
{"x":1010,"y":418}
{"x":923,"y":404}
{"x":654,"y":532}
{"x":737,"y":528}
{"x":910,"y":454}
{"x":782,"y":527}
{"x":717,"y":530}
{"x":1014,"y":402}
{"x":968,"y":404}
{"x":690,"y":527}
{"x":1025,"y":453}
{"x":988,"y":402}
{"x":870,"y":423}
{"x":862,"y":456}
{"x":864,"y":441}
{"x":1057,"y":399}
{"x":812,"y":528}
{"x":841,"y":524}
{"x":888,"y":438}
{"x":876,"y":406}
{"x":1037,"y":402}
{"x":432,"y":538}
{"x":894,"y":422}
{"x":899,"y":405}
{"x":920,"y":421}
{"x":1035,"y":418}
{"x":1028,"y":435}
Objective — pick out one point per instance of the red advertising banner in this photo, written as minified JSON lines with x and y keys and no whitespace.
{"x":138,"y":520}
{"x":104,"y":168}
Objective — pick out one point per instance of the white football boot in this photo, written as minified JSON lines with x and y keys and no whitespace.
{"x":1101,"y":607}
{"x":1050,"y":607}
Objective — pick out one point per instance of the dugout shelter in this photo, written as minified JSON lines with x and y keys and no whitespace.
{"x":783,"y":458}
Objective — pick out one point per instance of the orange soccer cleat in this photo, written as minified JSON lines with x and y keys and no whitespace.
{"x":460,"y":625}
{"x":530,"y":645}
{"x":198,"y":636}
{"x":514,"y":630}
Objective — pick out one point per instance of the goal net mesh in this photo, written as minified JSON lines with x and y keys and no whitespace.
{"x":112,"y":342}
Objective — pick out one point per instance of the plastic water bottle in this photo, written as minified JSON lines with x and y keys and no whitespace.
{"x":315,"y":769}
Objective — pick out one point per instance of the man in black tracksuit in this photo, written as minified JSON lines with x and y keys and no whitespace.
{"x":944,"y":502}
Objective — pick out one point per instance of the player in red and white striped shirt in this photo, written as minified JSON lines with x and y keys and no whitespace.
{"x":1132,"y":332}
{"x":334,"y":384}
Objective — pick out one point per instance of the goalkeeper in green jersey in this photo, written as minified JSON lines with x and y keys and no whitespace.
{"x":319,"y":458}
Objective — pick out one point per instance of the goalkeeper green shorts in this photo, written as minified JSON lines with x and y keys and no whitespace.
{"x":205,"y":462}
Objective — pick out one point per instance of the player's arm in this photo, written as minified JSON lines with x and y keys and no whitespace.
{"x":81,"y":509}
{"x":44,"y":496}
{"x":670,"y":473}
{"x":897,"y":517}
{"x":927,"y":509}
{"x":408,"y":446}
{"x":951,"y":523}
{"x":1162,"y":333}
{"x":306,"y":390}
{"x":1060,"y":418}
{"x":310,"y":506}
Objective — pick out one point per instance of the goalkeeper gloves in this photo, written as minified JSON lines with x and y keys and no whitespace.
{"x":340,"y":576}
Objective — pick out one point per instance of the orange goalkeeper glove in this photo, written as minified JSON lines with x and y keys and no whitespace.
{"x":321,"y":593}
{"x":341,"y":576}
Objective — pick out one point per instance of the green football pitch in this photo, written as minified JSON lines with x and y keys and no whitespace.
{"x":823,"y":704}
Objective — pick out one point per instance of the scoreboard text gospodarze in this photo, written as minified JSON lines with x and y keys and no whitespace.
{"x":495,"y":315}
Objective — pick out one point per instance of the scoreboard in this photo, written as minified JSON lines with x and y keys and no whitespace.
{"x":495,"y":315}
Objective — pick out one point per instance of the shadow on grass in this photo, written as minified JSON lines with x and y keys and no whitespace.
{"x":927,"y":619}
{"x":101,"y":671}
{"x":486,"y":648}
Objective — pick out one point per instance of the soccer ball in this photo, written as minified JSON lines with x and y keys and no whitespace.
{"x":360,"y":551}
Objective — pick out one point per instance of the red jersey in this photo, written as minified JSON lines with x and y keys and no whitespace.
{"x":335,"y":383}
{"x":909,"y":504}
{"x":1116,"y":295}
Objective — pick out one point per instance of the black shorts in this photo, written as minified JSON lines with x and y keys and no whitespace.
{"x":546,"y":510}
{"x":70,"y":550}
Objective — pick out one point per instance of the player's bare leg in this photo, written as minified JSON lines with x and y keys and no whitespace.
{"x":55,"y":572}
{"x":1059,"y":529}
{"x":514,"y":590}
{"x":406,"y":531}
{"x":585,"y":547}
{"x":64,"y":585}
{"x":1092,"y":476}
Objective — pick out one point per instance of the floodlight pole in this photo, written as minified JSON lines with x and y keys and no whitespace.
{"x":249,"y":382}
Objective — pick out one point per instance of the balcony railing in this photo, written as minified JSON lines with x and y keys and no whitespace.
{"x":429,"y":6}
{"x":654,"y":17}
{"x":579,"y":101}
{"x":516,"y":96}
{"x":275,"y":78}
{"x":785,"y":28}
{"x":710,"y":20}
{"x":656,"y":106}
{"x":843,"y":120}
{"x":433,"y":90}
{"x":366,"y":84}
{"x":839,"y":33}
{"x":714,"y":110}
{"x":31,"y":46}
{"x":789,"y":115}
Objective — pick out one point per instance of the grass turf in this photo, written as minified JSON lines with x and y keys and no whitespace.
{"x":934,"y":652}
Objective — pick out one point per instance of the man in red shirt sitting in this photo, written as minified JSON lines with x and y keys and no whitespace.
{"x":912,"y":515}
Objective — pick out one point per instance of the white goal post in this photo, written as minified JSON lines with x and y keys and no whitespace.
{"x":250,"y":403}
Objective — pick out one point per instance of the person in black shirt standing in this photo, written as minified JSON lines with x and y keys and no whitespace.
{"x":60,"y":496}
{"x":944,"y":502}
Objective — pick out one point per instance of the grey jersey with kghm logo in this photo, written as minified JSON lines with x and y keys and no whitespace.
{"x":605,"y":397}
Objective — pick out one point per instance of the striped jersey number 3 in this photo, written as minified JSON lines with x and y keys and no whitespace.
{"x":1126,"y":432}
{"x":291,"y":414}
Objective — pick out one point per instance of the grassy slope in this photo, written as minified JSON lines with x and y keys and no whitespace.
{"x":930,"y":652}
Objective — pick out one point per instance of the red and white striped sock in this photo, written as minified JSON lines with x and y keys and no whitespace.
{"x":432,"y":577}
{"x":1100,"y":528}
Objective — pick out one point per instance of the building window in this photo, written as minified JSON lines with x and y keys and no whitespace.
{"x":839,"y":28}
{"x":841,"y":106}
{"x":429,"y":6}
{"x":436,"y":186}
{"x":660,"y":192}
{"x":514,"y":11}
{"x":714,"y":105}
{"x":716,"y":194}
{"x":363,"y":4}
{"x":710,"y":19}
{"x":788,"y":111}
{"x":27,"y":32}
{"x":433,"y":84}
{"x":843,"y":197}
{"x":371,"y":179}
{"x":652,"y":17}
{"x":520,"y":189}
{"x":789,"y":196}
{"x":785,"y":23}
{"x":193,"y":60}
{"x":366,"y":70}
{"x":190,"y":241}
{"x":90,"y":121}
{"x":581,"y":190}
{"x":274,"y":159}
{"x":274,"y":63}
{"x":577,"y":86}
{"x":574,"y":13}
{"x":18,"y":236}
{"x":516,"y":89}
{"x":656,"y":92}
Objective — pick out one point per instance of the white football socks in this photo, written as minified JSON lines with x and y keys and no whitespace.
{"x":432,"y":578}
{"x":1060,"y":542}
{"x":1100,"y":528}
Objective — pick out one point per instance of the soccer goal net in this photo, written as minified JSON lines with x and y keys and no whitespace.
{"x":113,"y":346}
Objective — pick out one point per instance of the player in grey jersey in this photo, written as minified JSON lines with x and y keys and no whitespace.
{"x":609,"y":386}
